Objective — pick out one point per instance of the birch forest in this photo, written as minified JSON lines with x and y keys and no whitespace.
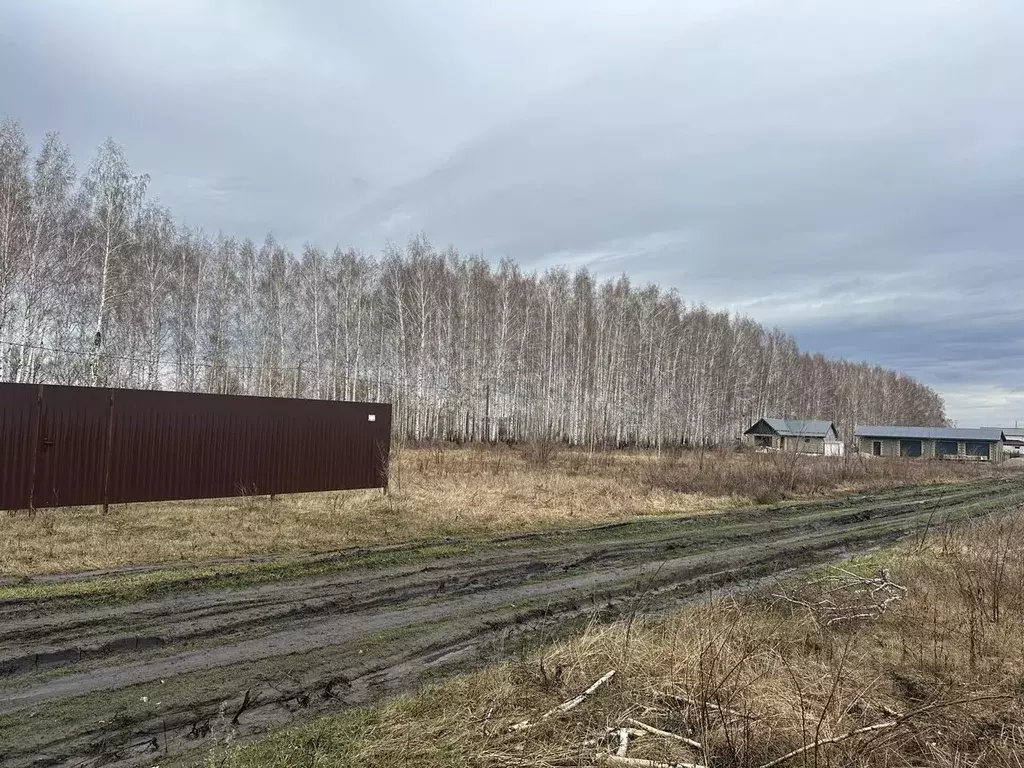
{"x":100,"y":286}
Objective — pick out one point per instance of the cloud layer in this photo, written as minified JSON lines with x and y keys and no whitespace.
{"x":853,"y":172}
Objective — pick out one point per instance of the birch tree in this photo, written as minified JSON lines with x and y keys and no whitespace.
{"x":44,"y":268}
{"x":113,"y":198}
{"x":14,"y":215}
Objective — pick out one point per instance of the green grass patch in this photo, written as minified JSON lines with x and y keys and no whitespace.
{"x":140,"y":585}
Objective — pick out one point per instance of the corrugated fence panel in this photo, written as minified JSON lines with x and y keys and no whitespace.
{"x":73,"y":446}
{"x":131,"y":445}
{"x":19,"y":413}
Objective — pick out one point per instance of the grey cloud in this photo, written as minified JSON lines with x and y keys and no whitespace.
{"x":871,"y":203}
{"x":854,"y":171}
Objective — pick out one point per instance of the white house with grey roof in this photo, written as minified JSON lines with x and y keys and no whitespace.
{"x":931,"y":443}
{"x":811,"y":436}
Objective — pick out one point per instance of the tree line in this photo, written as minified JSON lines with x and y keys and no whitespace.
{"x":100,"y":286}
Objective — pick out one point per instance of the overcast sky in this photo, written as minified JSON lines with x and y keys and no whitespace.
{"x":850,"y":171}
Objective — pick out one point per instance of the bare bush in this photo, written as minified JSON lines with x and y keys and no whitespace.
{"x":540,"y":454}
{"x":841,"y":596}
{"x":767,"y":478}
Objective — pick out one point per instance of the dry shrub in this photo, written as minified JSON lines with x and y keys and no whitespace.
{"x":750,"y":678}
{"x":982,"y":568}
{"x":770,"y":477}
{"x":539,"y":454}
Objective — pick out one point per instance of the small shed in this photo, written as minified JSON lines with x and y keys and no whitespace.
{"x":798,"y":435}
{"x":931,"y":442}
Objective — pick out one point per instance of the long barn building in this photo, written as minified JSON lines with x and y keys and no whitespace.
{"x":930,"y":443}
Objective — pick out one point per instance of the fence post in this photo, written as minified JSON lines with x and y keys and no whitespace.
{"x":37,"y":446}
{"x":106,"y":453}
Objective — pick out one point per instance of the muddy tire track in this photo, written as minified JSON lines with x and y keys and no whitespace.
{"x":234,"y":662}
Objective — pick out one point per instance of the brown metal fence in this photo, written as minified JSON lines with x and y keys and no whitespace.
{"x":66,"y":446}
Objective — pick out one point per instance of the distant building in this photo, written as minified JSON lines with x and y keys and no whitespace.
{"x":1013,"y":441}
{"x":799,"y":436}
{"x":931,"y":443}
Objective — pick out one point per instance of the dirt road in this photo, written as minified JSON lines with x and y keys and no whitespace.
{"x":102,"y":672}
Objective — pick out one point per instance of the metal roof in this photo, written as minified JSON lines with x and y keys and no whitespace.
{"x":799,"y":427}
{"x":931,"y":433}
{"x":1011,"y":433}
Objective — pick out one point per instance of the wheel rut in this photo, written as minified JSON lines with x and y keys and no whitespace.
{"x":120,"y":684}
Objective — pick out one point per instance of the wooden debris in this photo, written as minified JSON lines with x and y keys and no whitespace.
{"x":664,"y":734}
{"x":636,"y":762}
{"x":566,"y":706}
{"x":487,"y":719}
{"x":246,"y":702}
{"x":847,"y":596}
{"x":623,"y":742}
{"x":878,"y":727}
{"x":573,"y":703}
{"x":834,"y":740}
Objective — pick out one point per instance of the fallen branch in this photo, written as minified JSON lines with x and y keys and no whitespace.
{"x":573,"y":703}
{"x":835,"y":740}
{"x":566,"y":706}
{"x":636,"y":762}
{"x":866,"y":597}
{"x":246,"y":701}
{"x":877,"y":727}
{"x":487,"y":719}
{"x":623,"y":742}
{"x":664,"y":734}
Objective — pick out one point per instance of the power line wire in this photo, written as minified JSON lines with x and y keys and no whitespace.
{"x":142,"y":360}
{"x":368,"y":383}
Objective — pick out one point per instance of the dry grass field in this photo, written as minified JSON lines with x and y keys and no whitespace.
{"x":442,"y":491}
{"x":914,"y":657}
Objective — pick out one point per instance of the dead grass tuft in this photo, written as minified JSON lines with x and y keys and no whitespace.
{"x":438,"y":491}
{"x":770,"y":477}
{"x":936,"y":679}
